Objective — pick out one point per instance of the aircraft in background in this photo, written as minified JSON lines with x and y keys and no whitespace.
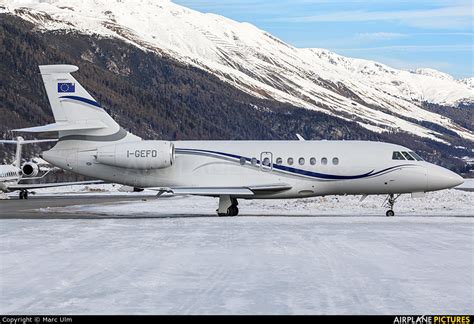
{"x":91,"y":143}
{"x":12,"y":174}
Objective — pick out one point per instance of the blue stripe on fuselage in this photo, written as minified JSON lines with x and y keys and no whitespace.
{"x":299,"y":171}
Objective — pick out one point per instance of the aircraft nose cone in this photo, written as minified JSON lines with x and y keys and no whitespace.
{"x":441,"y":178}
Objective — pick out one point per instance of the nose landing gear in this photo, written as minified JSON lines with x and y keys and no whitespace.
{"x":390,"y":203}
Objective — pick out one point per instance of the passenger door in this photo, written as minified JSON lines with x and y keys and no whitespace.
{"x":266,"y":161}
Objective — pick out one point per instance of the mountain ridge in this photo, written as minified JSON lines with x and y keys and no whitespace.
{"x":372,"y":94}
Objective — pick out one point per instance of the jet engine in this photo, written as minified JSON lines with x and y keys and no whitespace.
{"x":30,"y":169}
{"x":143,"y":155}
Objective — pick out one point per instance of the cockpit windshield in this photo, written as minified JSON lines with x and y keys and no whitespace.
{"x":411,"y":156}
{"x":416,"y":156}
{"x":397,"y":156}
{"x":408,"y":156}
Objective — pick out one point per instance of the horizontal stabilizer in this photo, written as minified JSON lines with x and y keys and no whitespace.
{"x":57,"y":69}
{"x":28,"y":141}
{"x":64,"y":126}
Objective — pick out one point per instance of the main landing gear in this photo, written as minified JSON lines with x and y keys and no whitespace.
{"x":23,"y":194}
{"x":227,"y":206}
{"x":390,"y":203}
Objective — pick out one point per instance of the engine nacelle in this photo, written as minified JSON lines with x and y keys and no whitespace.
{"x":143,"y":155}
{"x":30,"y":169}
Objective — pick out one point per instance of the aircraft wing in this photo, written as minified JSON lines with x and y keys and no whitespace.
{"x":217,"y":191}
{"x":27,"y":186}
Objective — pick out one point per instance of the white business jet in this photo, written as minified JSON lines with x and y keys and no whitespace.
{"x":91,"y":143}
{"x":12,"y":174}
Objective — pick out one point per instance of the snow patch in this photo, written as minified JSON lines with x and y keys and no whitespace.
{"x":447,"y":202}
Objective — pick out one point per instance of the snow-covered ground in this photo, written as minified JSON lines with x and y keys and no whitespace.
{"x":442,"y":203}
{"x":107,"y":189}
{"x":239,"y":265}
{"x":357,"y":262}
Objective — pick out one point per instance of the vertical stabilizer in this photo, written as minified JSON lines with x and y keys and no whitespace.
{"x":75,"y":111}
{"x":19,"y":142}
{"x":79,"y":118}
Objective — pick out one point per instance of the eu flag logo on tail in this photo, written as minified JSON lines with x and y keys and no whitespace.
{"x":66,"y":87}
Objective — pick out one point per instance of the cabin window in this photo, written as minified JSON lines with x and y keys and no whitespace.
{"x":397,"y":156}
{"x":254,"y":161}
{"x":279,"y":160}
{"x":242,"y":161}
{"x":301,"y":161}
{"x":312,"y":161}
{"x":335,"y":161}
{"x":408,"y":156}
{"x":266,"y":162}
{"x":290,"y":161}
{"x":324,"y":161}
{"x":416,"y":156}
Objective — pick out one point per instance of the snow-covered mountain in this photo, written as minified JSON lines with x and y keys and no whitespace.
{"x":376,"y":96}
{"x":468,"y":81}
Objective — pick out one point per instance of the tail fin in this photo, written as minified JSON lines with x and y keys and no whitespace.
{"x":19,"y":142}
{"x":17,"y":162}
{"x":77,"y":114}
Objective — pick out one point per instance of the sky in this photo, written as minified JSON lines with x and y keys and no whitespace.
{"x":404,"y":34}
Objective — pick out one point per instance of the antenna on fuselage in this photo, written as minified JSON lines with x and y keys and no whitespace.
{"x":300,"y":138}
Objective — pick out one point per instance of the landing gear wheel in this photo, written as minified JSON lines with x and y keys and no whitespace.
{"x":227,"y":206}
{"x":25,"y":195}
{"x":20,"y":195}
{"x":390,"y":203}
{"x":233,"y":211}
{"x":390,"y":213}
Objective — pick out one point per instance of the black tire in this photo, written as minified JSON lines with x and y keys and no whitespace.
{"x":20,"y":195}
{"x":235,"y":211}
{"x":25,"y":195}
{"x":390,"y":213}
{"x":232,"y":211}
